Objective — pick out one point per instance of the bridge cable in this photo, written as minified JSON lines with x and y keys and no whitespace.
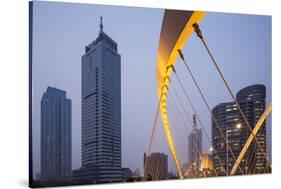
{"x":172,"y":124}
{"x":151,"y":138}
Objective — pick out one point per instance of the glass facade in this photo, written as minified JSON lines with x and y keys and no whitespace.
{"x":101,"y":110}
{"x":235,"y":130}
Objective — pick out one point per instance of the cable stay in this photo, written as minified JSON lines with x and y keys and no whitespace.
{"x":172,"y":124}
{"x":151,"y":138}
{"x":180,"y":115}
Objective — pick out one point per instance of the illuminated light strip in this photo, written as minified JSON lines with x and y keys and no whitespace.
{"x":250,"y":139}
{"x":166,"y":60}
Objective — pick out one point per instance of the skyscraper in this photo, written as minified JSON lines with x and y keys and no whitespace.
{"x":252,"y":102}
{"x":155,"y":166}
{"x":194,"y":146}
{"x":55,"y":136}
{"x":101,"y":110}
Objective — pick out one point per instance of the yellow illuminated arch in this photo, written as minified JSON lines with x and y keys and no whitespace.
{"x":176,"y":29}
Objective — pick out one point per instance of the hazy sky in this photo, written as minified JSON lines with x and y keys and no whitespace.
{"x":240,"y":43}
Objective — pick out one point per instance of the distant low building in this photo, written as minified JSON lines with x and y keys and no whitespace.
{"x":155,"y":166}
{"x":171,"y":175}
{"x":137,"y":172}
{"x":126,"y":174}
{"x":85,"y":175}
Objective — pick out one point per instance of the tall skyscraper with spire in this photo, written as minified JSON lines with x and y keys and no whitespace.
{"x":101,"y":111}
{"x":194,"y":145}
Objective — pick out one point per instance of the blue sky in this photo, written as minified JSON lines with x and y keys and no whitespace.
{"x":240,"y":43}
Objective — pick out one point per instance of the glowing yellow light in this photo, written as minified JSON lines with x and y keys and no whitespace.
{"x":167,"y":57}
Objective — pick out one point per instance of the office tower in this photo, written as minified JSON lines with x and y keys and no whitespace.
{"x":252,"y":102}
{"x":101,"y":111}
{"x":194,"y":146}
{"x":155,"y":166}
{"x":55,"y":136}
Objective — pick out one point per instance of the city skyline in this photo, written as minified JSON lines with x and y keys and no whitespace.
{"x":133,"y":59}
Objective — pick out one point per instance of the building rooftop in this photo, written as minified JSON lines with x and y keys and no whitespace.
{"x":103,"y":37}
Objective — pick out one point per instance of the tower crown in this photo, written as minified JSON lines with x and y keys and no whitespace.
{"x":101,"y":25}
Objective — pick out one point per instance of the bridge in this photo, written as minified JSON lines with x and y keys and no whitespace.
{"x":177,"y":27}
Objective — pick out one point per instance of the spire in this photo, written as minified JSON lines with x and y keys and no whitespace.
{"x":101,"y":25}
{"x":194,"y":121}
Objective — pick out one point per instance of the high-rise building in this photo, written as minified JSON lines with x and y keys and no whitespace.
{"x":194,"y":146}
{"x":235,"y":130}
{"x":55,"y":136}
{"x":155,"y":166}
{"x":253,"y":104}
{"x":101,"y":110}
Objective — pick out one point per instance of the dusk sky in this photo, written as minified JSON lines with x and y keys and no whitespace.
{"x":240,"y":43}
